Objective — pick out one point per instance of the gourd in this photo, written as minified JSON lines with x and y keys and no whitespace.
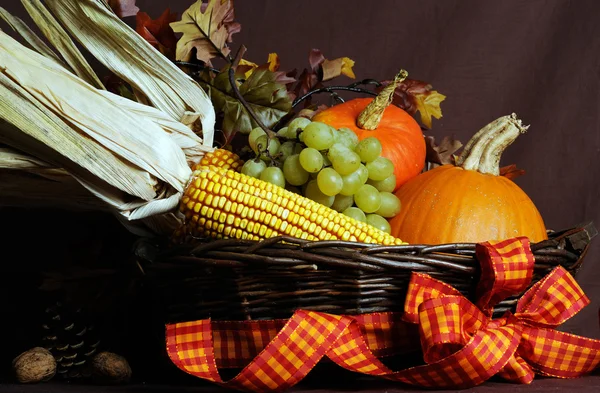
{"x":469,"y":201}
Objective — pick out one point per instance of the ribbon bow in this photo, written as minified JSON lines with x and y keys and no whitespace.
{"x":455,"y":331}
{"x":462,"y":344}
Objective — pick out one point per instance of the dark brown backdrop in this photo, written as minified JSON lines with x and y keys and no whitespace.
{"x":540,"y":59}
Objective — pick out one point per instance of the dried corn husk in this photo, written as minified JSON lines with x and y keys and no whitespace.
{"x":34,"y":42}
{"x":123,"y":158}
{"x":128,"y":55}
{"x":58,"y":37}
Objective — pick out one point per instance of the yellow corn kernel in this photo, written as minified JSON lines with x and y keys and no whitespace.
{"x":221,"y":158}
{"x":234,"y":205}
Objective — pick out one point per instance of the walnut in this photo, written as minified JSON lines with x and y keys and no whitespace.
{"x":35,"y":365}
{"x":110,"y":368}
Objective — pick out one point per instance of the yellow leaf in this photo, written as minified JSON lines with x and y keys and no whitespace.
{"x":347,"y":64}
{"x":428,"y":105}
{"x":273,"y":61}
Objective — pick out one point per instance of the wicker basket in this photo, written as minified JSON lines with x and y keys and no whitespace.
{"x":243,"y":280}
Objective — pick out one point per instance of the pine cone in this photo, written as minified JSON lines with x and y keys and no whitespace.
{"x":71,"y":339}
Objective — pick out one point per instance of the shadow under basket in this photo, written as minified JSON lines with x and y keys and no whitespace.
{"x":249,"y":280}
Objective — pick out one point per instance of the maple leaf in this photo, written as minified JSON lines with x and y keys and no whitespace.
{"x":124,"y":8}
{"x":272,"y":64}
{"x":158,"y":32}
{"x":417,"y":96}
{"x":443,"y":153}
{"x":511,"y":171}
{"x":428,"y":104}
{"x":267,"y":98}
{"x":206,"y":27}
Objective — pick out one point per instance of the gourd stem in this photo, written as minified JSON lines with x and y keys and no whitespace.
{"x":483,"y":152}
{"x":371,"y":116}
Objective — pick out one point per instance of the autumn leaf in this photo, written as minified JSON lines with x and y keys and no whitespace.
{"x":417,"y":96}
{"x":267,"y":98}
{"x":158,"y":32}
{"x":206,"y":27}
{"x":511,"y":171}
{"x":272,"y":64}
{"x":124,"y":8}
{"x":428,"y":104}
{"x":340,"y":66}
{"x":443,"y":153}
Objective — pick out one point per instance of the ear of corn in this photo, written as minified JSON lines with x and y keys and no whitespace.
{"x":221,"y":203}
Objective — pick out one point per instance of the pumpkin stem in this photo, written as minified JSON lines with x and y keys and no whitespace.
{"x":483,"y":152}
{"x":370,"y":117}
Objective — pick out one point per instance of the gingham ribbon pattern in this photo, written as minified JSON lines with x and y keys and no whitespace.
{"x":462,"y":345}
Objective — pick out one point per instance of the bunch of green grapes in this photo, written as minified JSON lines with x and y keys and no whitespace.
{"x":328,"y":166}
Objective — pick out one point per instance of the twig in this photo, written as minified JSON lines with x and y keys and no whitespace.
{"x":331,"y":89}
{"x":197,"y":65}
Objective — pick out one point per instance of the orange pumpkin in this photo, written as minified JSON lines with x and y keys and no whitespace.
{"x":399,"y":133}
{"x":469,"y":201}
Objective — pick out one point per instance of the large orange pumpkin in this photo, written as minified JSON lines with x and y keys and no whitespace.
{"x":399,"y":133}
{"x":469,"y":201}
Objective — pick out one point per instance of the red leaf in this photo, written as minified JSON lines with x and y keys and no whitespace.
{"x":158,"y":32}
{"x":511,"y":171}
{"x":124,"y":8}
{"x":315,"y":58}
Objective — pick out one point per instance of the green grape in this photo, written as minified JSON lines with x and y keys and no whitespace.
{"x":380,"y":168}
{"x":318,"y":136}
{"x":346,"y":163}
{"x":346,"y":137}
{"x":379,"y":222}
{"x":273,"y":175}
{"x":297,"y":123}
{"x":367,"y":199}
{"x":369,"y":149}
{"x":286,"y":150}
{"x":283,"y":132}
{"x":386,"y":185}
{"x":330,"y":182}
{"x":253,"y":168}
{"x":263,"y":143}
{"x":293,"y":171}
{"x":342,"y":202}
{"x":337,"y":149}
{"x":363,"y":172}
{"x":312,"y":192}
{"x":356,"y":213}
{"x":298,"y":148}
{"x":254,"y":135}
{"x":311,"y":160}
{"x":351,"y":183}
{"x":390,"y":205}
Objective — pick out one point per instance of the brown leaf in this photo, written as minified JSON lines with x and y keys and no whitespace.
{"x":340,"y":66}
{"x":511,"y":171}
{"x":206,"y":27}
{"x":124,"y":8}
{"x":443,"y":153}
{"x":315,"y":58}
{"x":158,"y":32}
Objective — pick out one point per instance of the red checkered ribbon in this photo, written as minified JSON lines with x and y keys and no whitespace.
{"x":462,"y":345}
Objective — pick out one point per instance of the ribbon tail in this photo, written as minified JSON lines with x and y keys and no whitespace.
{"x":557,"y":354}
{"x":517,"y":370}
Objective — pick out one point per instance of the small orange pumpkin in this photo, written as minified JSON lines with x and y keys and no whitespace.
{"x":399,"y":133}
{"x":470,"y":201}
